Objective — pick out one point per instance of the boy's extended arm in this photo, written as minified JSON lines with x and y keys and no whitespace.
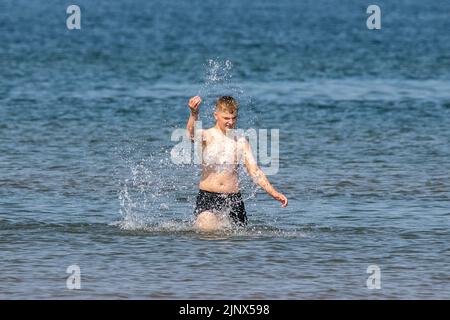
{"x":258,"y":175}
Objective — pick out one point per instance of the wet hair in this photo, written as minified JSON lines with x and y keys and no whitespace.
{"x":227,"y":104}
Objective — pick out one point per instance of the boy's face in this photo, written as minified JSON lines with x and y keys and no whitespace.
{"x":225,"y":120}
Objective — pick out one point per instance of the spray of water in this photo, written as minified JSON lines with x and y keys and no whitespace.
{"x":153,"y":191}
{"x":157,"y":195}
{"x":218,"y":81}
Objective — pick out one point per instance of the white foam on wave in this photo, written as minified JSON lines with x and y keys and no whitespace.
{"x":186,"y":228}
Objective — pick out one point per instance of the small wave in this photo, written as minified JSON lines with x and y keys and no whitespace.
{"x":170,"y":226}
{"x":52,"y":227}
{"x":185,"y":227}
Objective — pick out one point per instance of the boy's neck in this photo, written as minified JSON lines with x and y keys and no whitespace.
{"x":218,"y":128}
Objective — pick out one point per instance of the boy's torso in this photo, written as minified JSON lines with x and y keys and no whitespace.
{"x":220,"y":157}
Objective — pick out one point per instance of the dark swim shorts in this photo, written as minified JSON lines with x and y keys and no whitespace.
{"x":222,"y":202}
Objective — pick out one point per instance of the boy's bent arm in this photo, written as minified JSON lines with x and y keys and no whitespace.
{"x":190,"y":127}
{"x":258,"y":175}
{"x":194,"y":104}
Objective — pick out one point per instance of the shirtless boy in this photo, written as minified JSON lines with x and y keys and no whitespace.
{"x":219,"y":200}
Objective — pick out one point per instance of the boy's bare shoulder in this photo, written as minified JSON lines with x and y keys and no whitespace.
{"x":242,"y":141}
{"x":207,"y":134}
{"x":209,"y":130}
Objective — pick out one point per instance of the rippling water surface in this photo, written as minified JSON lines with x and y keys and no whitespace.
{"x":86,"y":177}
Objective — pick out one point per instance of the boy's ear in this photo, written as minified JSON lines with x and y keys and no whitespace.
{"x":215,"y":115}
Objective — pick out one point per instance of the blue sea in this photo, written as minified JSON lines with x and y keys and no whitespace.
{"x":87,"y":179}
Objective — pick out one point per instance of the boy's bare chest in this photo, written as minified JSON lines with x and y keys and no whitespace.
{"x":220,"y":151}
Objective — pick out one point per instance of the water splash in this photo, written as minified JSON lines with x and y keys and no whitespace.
{"x":217,"y":71}
{"x":218,"y":81}
{"x":154,"y":190}
{"x":185,"y":228}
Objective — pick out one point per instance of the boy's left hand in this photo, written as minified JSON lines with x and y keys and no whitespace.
{"x":282,"y":198}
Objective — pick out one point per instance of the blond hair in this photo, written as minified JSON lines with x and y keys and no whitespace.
{"x":227,"y":104}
